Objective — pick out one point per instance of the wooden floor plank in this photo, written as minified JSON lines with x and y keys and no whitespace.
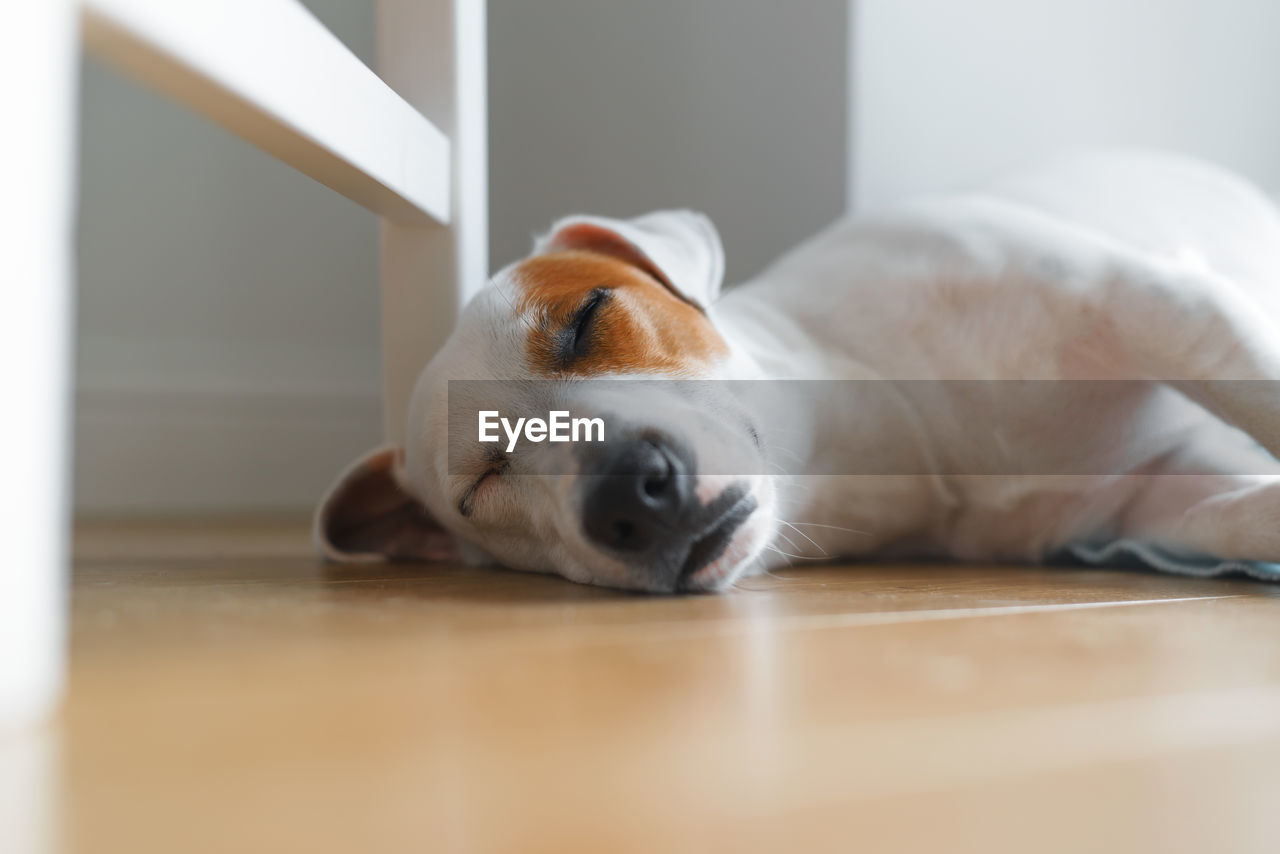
{"x":230,"y":693}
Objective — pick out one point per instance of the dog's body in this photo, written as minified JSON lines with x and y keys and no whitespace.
{"x":1149,"y":269}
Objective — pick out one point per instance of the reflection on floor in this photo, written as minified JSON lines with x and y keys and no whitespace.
{"x":230,"y":693}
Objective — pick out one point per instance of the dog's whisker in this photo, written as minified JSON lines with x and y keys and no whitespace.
{"x":763,"y":573}
{"x":790,"y":541}
{"x":832,"y":527}
{"x":781,"y":552}
{"x":521,"y":316}
{"x":793,"y":556}
{"x":803,"y":534}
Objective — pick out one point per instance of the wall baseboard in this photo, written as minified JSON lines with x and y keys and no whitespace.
{"x":168,"y":452}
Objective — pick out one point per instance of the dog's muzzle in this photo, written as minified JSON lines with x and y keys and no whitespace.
{"x":639,"y":504}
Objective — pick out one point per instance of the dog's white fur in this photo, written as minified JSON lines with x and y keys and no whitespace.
{"x":1117,"y":266}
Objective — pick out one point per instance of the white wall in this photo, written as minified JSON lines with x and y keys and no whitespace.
{"x":949,"y":92}
{"x":734,"y":107}
{"x":228,"y":315}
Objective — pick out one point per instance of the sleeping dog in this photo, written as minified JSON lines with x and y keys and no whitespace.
{"x":1076,"y":357}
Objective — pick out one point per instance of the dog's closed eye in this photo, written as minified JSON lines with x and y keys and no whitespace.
{"x":496,"y":465}
{"x":575,"y":339}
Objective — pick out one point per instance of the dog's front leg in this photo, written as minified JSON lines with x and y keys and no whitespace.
{"x":1216,"y":497}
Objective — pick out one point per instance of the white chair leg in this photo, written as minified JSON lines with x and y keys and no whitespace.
{"x":433,"y":54}
{"x":38,"y":65}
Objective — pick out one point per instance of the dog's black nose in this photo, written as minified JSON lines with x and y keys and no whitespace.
{"x":637,"y":495}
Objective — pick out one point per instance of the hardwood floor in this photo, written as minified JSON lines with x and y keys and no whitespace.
{"x":230,"y":693}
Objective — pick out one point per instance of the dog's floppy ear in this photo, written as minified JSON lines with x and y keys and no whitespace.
{"x":680,"y":248}
{"x":368,"y":516}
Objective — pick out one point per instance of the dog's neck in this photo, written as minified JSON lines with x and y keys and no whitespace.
{"x":822,"y":423}
{"x":766,"y":340}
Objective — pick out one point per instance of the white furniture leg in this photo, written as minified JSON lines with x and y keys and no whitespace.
{"x":269,"y":71}
{"x":37,"y":88}
{"x":433,"y":54}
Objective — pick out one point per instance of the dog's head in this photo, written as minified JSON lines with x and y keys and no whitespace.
{"x":649,"y":507}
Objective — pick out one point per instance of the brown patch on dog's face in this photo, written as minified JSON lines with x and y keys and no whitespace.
{"x":593,"y":314}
